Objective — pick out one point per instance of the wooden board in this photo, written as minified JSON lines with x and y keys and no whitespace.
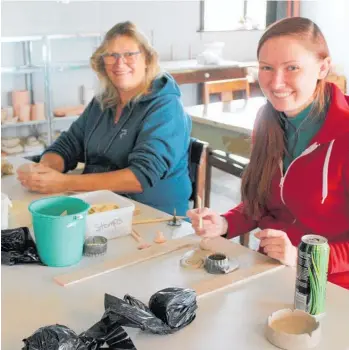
{"x":251,"y":265}
{"x":126,"y":260}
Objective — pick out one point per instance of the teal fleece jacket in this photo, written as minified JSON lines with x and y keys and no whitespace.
{"x":151,"y":139}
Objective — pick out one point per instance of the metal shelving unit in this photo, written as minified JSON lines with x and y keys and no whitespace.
{"x":47,"y":68}
{"x":18,"y":124}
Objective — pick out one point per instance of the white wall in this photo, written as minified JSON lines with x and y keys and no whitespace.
{"x":333,"y":19}
{"x":173,"y":26}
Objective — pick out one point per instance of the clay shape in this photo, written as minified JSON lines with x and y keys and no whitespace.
{"x":205,"y":244}
{"x":143,"y":245}
{"x":13,"y":120}
{"x":24,"y":113}
{"x":159,"y":238}
{"x":3,"y":114}
{"x":194,"y":259}
{"x":65,"y":111}
{"x":13,"y":150}
{"x":296,"y":329}
{"x":19,"y":98}
{"x":6,"y":167}
{"x":37,"y":111}
{"x":10,"y":141}
{"x":137,"y":237}
{"x":9,"y":111}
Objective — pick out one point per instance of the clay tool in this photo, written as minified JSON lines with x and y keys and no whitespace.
{"x":137,"y":237}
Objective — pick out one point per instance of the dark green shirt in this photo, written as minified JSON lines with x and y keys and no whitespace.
{"x":297,"y":142}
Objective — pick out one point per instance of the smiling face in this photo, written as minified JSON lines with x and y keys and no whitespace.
{"x":288,"y":73}
{"x":127,"y":73}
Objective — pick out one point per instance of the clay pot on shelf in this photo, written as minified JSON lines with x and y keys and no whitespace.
{"x":37,"y":111}
{"x":19,"y":98}
{"x":24,"y":113}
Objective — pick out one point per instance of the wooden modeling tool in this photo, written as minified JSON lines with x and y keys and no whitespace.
{"x":175,"y":219}
{"x":137,"y":237}
{"x":251,"y":265}
{"x":152,"y":221}
{"x":126,"y":260}
{"x":200,"y":209}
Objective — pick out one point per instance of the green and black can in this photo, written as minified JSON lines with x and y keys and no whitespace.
{"x":311,"y":280}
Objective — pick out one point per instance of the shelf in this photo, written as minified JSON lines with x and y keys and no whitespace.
{"x":25,"y":154}
{"x":47,"y":68}
{"x":22,"y":69}
{"x":60,"y":67}
{"x":18,"y":39}
{"x":70,"y":118}
{"x":18,"y":124}
{"x":74,"y":36}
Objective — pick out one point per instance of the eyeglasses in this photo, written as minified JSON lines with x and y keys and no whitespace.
{"x":127,"y":57}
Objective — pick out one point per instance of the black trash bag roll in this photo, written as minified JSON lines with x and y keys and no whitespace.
{"x":107,"y":331}
{"x":55,"y":337}
{"x":169,"y":310}
{"x":58,"y":337}
{"x":174,"y":306}
{"x":17,"y":247}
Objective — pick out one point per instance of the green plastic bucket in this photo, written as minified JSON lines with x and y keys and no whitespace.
{"x":59,"y":239}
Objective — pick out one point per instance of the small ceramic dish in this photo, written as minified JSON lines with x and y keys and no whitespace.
{"x":293,"y":330}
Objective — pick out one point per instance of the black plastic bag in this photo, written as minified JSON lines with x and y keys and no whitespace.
{"x":174,"y":306}
{"x":17,"y":247}
{"x":169,"y":310}
{"x":57,"y":337}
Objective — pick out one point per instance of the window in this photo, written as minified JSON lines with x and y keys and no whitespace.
{"x":221,"y":15}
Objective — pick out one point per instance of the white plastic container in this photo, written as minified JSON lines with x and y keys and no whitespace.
{"x":109,"y":224}
{"x":5,"y":204}
{"x":213,"y":53}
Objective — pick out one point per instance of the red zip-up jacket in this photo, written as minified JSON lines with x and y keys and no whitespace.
{"x":312,"y":197}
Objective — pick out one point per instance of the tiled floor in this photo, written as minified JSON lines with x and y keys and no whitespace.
{"x":225,"y":194}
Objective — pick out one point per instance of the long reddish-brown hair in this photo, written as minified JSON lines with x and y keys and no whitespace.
{"x":268,"y":141}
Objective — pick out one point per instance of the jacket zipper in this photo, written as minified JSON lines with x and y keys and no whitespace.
{"x":310,"y":149}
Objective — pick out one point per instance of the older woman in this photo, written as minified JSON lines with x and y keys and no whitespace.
{"x":133,"y":137}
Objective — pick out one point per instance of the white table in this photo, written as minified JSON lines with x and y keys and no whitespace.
{"x":226,"y":126}
{"x":237,"y":115}
{"x":231,"y":319}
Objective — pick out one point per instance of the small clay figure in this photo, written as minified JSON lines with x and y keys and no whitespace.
{"x":159,"y":238}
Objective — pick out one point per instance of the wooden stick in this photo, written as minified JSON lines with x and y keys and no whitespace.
{"x":127,"y":260}
{"x":200,"y":208}
{"x":242,"y":275}
{"x":151,"y":221}
{"x":136,"y":233}
{"x":136,"y":237}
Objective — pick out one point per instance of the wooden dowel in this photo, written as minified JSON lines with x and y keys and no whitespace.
{"x":200,"y":208}
{"x":151,"y":221}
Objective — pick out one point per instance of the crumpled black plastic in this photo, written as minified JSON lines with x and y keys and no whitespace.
{"x":17,"y":247}
{"x":55,"y":337}
{"x":58,"y":337}
{"x":169,"y":310}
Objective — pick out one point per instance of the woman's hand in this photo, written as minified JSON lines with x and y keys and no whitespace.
{"x":207,"y":223}
{"x":43,"y":179}
{"x":277,"y":245}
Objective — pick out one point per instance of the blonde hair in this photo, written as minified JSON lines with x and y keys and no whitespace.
{"x":109,"y":96}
